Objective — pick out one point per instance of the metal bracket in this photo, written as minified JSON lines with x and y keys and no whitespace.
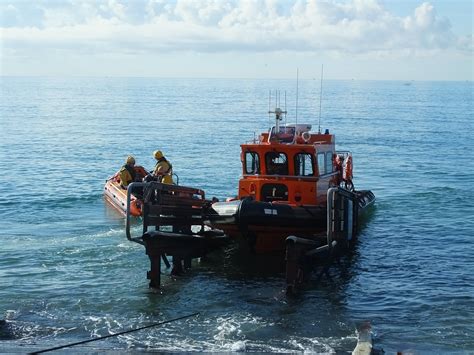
{"x":129,"y":198}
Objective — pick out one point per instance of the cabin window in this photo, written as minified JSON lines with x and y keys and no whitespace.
{"x":321,"y":164}
{"x":284,"y":134}
{"x":304,"y":164}
{"x":276,"y":163}
{"x":329,"y":162}
{"x":252,"y":163}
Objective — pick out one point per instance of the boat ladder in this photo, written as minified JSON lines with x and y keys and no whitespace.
{"x":343,"y":209}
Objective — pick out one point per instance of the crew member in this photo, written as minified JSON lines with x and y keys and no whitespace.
{"x":163,"y":168}
{"x":337,"y":167}
{"x":127,"y":173}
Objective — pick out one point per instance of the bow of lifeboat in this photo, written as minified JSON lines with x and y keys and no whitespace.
{"x":116,"y":195}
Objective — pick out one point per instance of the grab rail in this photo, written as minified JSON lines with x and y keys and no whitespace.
{"x":129,"y":198}
{"x":341,"y":214}
{"x":182,"y":205}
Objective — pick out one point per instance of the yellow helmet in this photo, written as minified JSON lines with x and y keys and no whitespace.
{"x":130,"y":160}
{"x":158,"y":154}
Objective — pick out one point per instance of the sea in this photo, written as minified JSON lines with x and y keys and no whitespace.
{"x":68,"y":273}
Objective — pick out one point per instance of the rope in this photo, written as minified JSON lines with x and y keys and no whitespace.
{"x":114,"y":335}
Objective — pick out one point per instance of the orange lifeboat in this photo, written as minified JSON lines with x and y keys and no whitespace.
{"x":116,"y":195}
{"x":286,"y":174}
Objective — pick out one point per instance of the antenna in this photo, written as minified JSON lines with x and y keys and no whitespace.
{"x":269,"y":104}
{"x":296,"y":95}
{"x":285,"y":107}
{"x":278,"y":117}
{"x":320,"y":98}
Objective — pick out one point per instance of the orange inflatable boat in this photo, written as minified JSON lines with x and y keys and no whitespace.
{"x":116,"y":195}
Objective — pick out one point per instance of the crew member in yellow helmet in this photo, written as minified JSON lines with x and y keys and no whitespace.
{"x":127,"y":173}
{"x":163,"y":168}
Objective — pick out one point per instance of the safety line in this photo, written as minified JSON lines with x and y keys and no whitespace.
{"x":116,"y":334}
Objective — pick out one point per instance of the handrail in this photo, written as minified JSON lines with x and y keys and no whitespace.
{"x":281,"y":177}
{"x":129,"y":198}
{"x":290,"y":177}
{"x":329,"y":209}
{"x":331,"y":200}
{"x":161,"y":187}
{"x":177,"y":178}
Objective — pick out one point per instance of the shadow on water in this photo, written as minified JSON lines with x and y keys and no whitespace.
{"x":367,"y":217}
{"x":236,"y":264}
{"x":7,"y":331}
{"x":239,"y":263}
{"x":330,"y":278}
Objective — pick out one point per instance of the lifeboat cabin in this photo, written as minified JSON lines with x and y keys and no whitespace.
{"x":286,"y":174}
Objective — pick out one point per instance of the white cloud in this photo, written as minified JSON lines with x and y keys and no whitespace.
{"x":358,"y":27}
{"x":115,"y":8}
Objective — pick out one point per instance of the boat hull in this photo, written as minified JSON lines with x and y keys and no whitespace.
{"x":117,"y":197}
{"x":264,"y":226}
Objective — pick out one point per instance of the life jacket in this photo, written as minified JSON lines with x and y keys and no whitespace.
{"x":170,"y":167}
{"x":337,"y":167}
{"x":337,"y":163}
{"x":166,"y":179}
{"x":347,"y":169}
{"x":131,"y":171}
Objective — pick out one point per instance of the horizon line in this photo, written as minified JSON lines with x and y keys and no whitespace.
{"x":223,"y":78}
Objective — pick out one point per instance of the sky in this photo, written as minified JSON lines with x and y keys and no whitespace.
{"x":354,"y":39}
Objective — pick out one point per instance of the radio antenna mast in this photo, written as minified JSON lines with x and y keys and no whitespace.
{"x":320,"y":98}
{"x":296,"y":95}
{"x":269,"y":104}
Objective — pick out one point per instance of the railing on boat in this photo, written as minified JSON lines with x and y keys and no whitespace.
{"x":166,"y":205}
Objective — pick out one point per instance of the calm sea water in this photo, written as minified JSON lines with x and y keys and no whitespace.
{"x":67,"y":272}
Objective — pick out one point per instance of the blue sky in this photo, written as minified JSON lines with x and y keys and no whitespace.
{"x":354,"y":39}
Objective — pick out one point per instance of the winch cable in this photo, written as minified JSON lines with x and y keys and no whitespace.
{"x":116,"y":334}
